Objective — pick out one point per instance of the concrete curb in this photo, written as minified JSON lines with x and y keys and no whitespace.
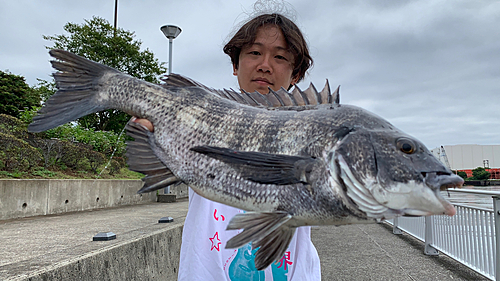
{"x":154,"y":256}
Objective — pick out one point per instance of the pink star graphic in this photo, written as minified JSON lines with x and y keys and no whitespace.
{"x":215,"y":243}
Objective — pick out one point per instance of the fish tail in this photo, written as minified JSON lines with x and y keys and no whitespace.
{"x":78,"y":88}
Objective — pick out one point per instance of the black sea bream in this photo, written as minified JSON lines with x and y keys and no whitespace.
{"x":287,"y":166}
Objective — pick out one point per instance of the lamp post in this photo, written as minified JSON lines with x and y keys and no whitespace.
{"x":170,"y":31}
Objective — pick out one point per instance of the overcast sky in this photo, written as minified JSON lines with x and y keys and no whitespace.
{"x":431,"y":68}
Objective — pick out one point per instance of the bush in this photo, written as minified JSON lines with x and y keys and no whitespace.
{"x":12,"y":126}
{"x":101,"y":141}
{"x":462,"y":174}
{"x":17,"y":155}
{"x":480,"y":173}
{"x":114,"y":167}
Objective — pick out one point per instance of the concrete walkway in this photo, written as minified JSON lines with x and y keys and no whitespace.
{"x":372,"y":252}
{"x":60,"y":247}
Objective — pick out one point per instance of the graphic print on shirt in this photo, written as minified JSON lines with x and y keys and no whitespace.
{"x":215,"y":242}
{"x":280,"y":268}
{"x":217,"y":216}
{"x":242,"y":267}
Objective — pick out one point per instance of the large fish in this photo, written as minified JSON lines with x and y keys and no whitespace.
{"x":288,"y":166}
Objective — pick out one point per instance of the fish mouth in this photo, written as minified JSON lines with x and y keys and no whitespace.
{"x":442,"y":180}
{"x":412,"y":198}
{"x":439,"y":181}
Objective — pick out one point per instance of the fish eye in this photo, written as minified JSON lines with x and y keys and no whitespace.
{"x":406,"y":145}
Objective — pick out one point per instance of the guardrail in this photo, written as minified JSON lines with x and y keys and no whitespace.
{"x":472,"y":236}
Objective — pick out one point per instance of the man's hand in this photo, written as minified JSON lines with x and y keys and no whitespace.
{"x":144,"y":122}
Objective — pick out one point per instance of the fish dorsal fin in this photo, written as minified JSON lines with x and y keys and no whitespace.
{"x":284,"y":97}
{"x":261,"y":99}
{"x":142,"y":159}
{"x":297,"y":96}
{"x":335,"y":97}
{"x":301,"y":95}
{"x":177,"y":80}
{"x":280,"y":98}
{"x":312,"y":95}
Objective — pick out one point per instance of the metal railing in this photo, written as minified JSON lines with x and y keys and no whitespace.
{"x":472,"y":236}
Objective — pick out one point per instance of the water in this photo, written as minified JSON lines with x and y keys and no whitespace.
{"x":473,"y":200}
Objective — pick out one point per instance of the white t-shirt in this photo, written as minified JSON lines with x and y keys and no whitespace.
{"x":203,"y":256}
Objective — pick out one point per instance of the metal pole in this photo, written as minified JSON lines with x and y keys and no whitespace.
{"x":116,"y":17}
{"x":429,"y":249}
{"x":395,"y":227}
{"x":166,"y":190}
{"x":496,"y":208}
{"x":170,"y":46}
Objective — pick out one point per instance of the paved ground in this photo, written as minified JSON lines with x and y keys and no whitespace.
{"x":372,"y":252}
{"x":356,"y":252}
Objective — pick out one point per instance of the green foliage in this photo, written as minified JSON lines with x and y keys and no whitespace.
{"x":12,"y":126}
{"x":462,"y":174}
{"x":15,"y":174}
{"x":15,"y":94}
{"x":27,"y":115}
{"x":44,"y":89}
{"x":42,"y":172}
{"x":101,"y":141}
{"x":97,"y":40}
{"x":16,"y":154}
{"x":480,"y":173}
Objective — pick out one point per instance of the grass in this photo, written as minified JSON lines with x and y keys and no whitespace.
{"x":42,"y":173}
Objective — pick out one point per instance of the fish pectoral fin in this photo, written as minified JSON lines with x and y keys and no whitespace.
{"x":261,"y":167}
{"x":141,"y":158}
{"x":265,"y":230}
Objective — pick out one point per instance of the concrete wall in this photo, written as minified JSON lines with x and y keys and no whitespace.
{"x":25,"y":198}
{"x":180,"y":191}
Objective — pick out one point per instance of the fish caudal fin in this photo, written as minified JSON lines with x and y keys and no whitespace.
{"x":141,"y":158}
{"x":77,"y":82}
{"x":265,"y":230}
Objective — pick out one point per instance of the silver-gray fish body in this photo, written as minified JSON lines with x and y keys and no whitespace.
{"x":291,"y":166}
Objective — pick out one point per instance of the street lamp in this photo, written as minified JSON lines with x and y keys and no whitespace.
{"x":170,"y":31}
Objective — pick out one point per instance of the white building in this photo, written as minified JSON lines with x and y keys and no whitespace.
{"x":469,"y":156}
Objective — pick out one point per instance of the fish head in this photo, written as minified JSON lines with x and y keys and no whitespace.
{"x":386,"y":173}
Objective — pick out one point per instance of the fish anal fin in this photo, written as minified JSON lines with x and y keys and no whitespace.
{"x":141,"y":158}
{"x":267,"y":230}
{"x":261,"y":167}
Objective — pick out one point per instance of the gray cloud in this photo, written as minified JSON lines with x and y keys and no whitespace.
{"x":429,"y":67}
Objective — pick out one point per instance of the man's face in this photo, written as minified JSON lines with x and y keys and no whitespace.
{"x":266,"y":63}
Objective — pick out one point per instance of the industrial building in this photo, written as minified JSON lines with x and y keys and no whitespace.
{"x":466,"y":157}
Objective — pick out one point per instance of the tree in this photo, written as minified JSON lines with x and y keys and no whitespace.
{"x":462,"y":174}
{"x":15,"y":94}
{"x":44,"y":89}
{"x":96,"y":40}
{"x":480,"y":173}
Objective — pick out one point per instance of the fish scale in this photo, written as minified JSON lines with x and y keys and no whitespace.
{"x":288,"y":159}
